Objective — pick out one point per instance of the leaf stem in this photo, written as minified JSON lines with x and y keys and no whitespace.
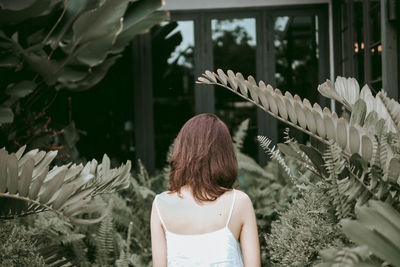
{"x":36,"y":205}
{"x":274,"y":115}
{"x":55,"y":26}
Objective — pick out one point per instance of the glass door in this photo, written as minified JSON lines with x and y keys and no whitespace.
{"x":234,"y":47}
{"x":296,"y":48}
{"x":286,"y":47}
{"x":173,"y":82}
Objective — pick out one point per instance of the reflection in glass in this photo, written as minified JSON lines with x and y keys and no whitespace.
{"x":173,"y":83}
{"x":183,"y":53}
{"x":359,"y":45}
{"x":376,"y":63}
{"x":375,"y":20}
{"x":376,"y":45}
{"x":344,"y":60}
{"x":234,"y":47}
{"x":296,"y":56}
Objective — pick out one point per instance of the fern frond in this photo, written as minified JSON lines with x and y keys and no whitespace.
{"x":123,"y":260}
{"x":300,"y":155}
{"x":121,"y":212}
{"x":56,"y":238}
{"x":105,"y":245}
{"x":170,"y":151}
{"x":349,"y":185}
{"x":393,"y":109}
{"x":79,"y":249}
{"x":335,"y":164}
{"x":384,"y":153}
{"x":240,"y":134}
{"x":143,"y":176}
{"x":274,"y":153}
{"x":286,"y":136}
{"x":128,"y":239}
{"x":249,"y":164}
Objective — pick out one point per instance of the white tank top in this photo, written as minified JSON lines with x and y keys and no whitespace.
{"x":213,"y":249}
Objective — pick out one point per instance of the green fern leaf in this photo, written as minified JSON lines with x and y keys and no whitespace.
{"x":105,"y":245}
{"x":240,"y":135}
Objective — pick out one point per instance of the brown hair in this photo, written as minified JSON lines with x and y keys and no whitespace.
{"x":203,"y":158}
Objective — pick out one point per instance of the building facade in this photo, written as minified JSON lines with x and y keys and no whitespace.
{"x":293,"y":45}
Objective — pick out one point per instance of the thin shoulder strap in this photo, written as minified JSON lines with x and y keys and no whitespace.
{"x":233,"y":204}
{"x":159,"y":214}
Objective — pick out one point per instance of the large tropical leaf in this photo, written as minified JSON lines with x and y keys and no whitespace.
{"x":347,"y":257}
{"x":138,"y":19}
{"x":6,"y":115}
{"x":377,"y":227}
{"x":98,"y":29}
{"x":393,"y":109}
{"x":344,"y":90}
{"x":28,"y":184}
{"x":353,"y":178}
{"x":347,"y":92}
{"x":18,"y":11}
{"x":319,"y":123}
{"x":356,"y":136}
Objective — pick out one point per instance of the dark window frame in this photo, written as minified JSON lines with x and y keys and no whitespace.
{"x":265,"y":54}
{"x":388,"y":41}
{"x":204,"y":97}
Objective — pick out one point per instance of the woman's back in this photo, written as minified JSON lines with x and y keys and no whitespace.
{"x":191,"y":224}
{"x":200,"y":234}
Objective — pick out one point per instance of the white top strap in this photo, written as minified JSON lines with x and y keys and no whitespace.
{"x":158,"y":212}
{"x":233,"y":204}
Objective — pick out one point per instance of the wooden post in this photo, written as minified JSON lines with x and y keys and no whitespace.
{"x":143,"y":104}
{"x":267,"y":125}
{"x":390,"y":68}
{"x":204,"y":94}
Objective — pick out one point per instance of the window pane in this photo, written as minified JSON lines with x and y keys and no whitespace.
{"x":173,"y":83}
{"x":376,"y":63}
{"x":375,"y":45}
{"x":359,"y":45}
{"x":296,"y":54}
{"x":296,"y":57}
{"x":345,"y":40}
{"x":375,"y":15}
{"x":234,"y":47}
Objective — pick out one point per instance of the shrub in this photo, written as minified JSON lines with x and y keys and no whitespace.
{"x":18,"y":246}
{"x":304,"y":229}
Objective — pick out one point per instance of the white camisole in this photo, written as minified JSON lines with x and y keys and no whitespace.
{"x":213,"y":249}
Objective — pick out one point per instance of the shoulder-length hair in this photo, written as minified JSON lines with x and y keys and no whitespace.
{"x":203,"y":158}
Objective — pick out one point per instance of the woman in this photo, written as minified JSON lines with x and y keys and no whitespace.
{"x":200,"y":219}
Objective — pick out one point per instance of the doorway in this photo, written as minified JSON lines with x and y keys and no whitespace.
{"x":286,"y":47}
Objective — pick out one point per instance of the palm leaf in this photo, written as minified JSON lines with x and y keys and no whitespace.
{"x":378,"y":227}
{"x":29,"y":185}
{"x":393,"y":109}
{"x":347,"y":257}
{"x":322,"y":124}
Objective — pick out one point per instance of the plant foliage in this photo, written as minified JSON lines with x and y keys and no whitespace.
{"x":356,"y":161}
{"x":66,"y":44}
{"x":28,"y":185}
{"x":306,"y":227}
{"x":378,"y":227}
{"x":18,"y":246}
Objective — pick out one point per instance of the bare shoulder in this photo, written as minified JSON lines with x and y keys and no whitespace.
{"x":163,"y":195}
{"x":243,"y":200}
{"x":159,"y":198}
